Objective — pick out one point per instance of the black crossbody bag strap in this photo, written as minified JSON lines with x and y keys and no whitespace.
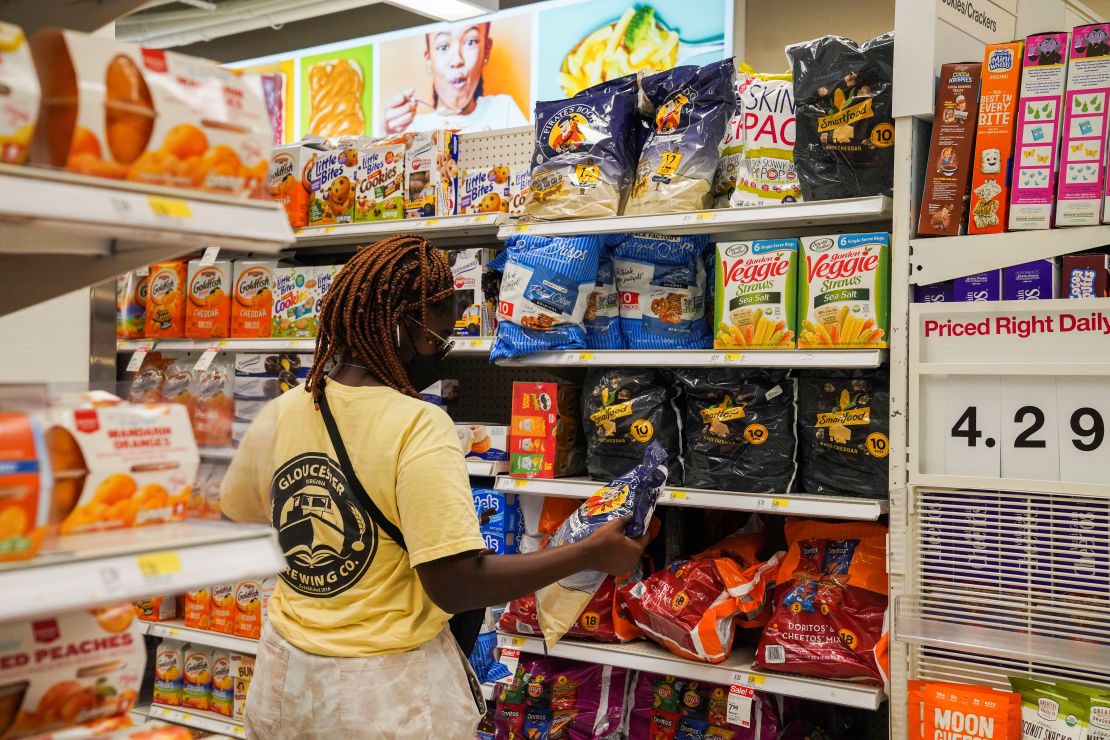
{"x":364,"y":499}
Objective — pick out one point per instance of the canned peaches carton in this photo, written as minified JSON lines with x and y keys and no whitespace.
{"x":844,"y":293}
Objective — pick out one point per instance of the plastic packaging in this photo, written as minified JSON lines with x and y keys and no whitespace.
{"x":624,"y":411}
{"x":551,"y":698}
{"x":602,"y":318}
{"x":670,"y":707}
{"x":765,"y":173}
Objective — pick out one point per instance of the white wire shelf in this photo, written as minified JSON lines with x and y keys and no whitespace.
{"x":486,"y":468}
{"x":645,"y":656}
{"x":81,"y":230}
{"x":175,"y":629}
{"x":792,"y":504}
{"x":943,"y":258}
{"x":225,"y":345}
{"x":81,"y":571}
{"x":482,"y":226}
{"x":843,"y":358}
{"x":723,"y":223}
{"x":194,"y":718}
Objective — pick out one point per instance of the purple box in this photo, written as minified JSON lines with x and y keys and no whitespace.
{"x":1032,"y":281}
{"x":935,"y":293}
{"x":983,"y":286}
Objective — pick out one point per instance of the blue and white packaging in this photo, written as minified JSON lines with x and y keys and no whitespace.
{"x":1032,"y":281}
{"x":982,"y":286}
{"x":602,"y":318}
{"x":499,"y":520}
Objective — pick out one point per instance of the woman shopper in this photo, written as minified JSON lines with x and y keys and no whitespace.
{"x":357,"y":643}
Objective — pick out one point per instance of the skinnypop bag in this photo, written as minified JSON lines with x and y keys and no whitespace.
{"x":765,"y":172}
{"x":956,"y":710}
{"x":633,"y":494}
{"x":830,"y":603}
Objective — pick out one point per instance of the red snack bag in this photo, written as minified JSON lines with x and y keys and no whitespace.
{"x":598,"y":621}
{"x":976,"y":712}
{"x":830,"y":613}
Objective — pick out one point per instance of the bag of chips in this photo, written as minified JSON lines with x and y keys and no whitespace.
{"x":845,"y":126}
{"x":666,"y":707}
{"x":624,"y":411}
{"x":679,"y":159}
{"x":962,"y":710}
{"x":738,"y":431}
{"x":555,"y":698}
{"x":544,"y":292}
{"x":842,"y":432}
{"x":830,"y":603}
{"x":600,"y":621}
{"x":765,"y":170}
{"x":661,"y":280}
{"x":1050,"y":710}
{"x":602,"y":318}
{"x":583,"y":152}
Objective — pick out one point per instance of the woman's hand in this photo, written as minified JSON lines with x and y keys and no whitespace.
{"x":400,"y":111}
{"x":612,"y":551}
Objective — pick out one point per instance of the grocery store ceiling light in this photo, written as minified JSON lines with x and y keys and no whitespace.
{"x":448,"y":10}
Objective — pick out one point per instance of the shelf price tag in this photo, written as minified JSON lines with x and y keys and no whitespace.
{"x":972,"y":423}
{"x":522,"y":228}
{"x":209,"y":256}
{"x":510,"y":658}
{"x":585,"y":356}
{"x":482,"y":219}
{"x":672,"y":495}
{"x":740,"y":699}
{"x":206,"y":358}
{"x":238,"y":731}
{"x":169,"y":207}
{"x":691,"y":218}
{"x":431,"y":222}
{"x":520,"y":483}
{"x":137,"y":358}
{"x":159,"y":564}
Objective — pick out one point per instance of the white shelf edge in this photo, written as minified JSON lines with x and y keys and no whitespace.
{"x":470,"y":346}
{"x":845,"y":358}
{"x":486,"y":468}
{"x":176,"y":630}
{"x":788,"y":504}
{"x":650,"y":657}
{"x":872,"y":209}
{"x":225,"y":345}
{"x":1017,"y":485}
{"x":452,"y":227}
{"x":194,"y":718}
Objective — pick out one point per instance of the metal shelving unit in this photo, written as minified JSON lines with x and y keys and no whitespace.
{"x":175,"y":629}
{"x":842,"y":358}
{"x":195,"y":718}
{"x":440,"y":230}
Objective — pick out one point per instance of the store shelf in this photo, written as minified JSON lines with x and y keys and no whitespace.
{"x":226,"y":345}
{"x":793,"y":504}
{"x":81,"y":230}
{"x":842,"y":358}
{"x":645,"y":656}
{"x":470,"y":346}
{"x":176,"y":630}
{"x":86,"y":570}
{"x":722,"y":223}
{"x":216,"y":453}
{"x":194,"y":718}
{"x":486,"y":468}
{"x":944,"y":258}
{"x":444,"y":229}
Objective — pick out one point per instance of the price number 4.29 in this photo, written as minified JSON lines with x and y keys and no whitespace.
{"x":1086,"y":424}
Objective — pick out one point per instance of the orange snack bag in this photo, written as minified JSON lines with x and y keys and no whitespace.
{"x":24,"y":486}
{"x":208,"y":309}
{"x":165,"y":307}
{"x":214,"y":405}
{"x":252,"y":301}
{"x":248,"y":609}
{"x":939,"y":710}
{"x":223,"y":609}
{"x":198,"y":608}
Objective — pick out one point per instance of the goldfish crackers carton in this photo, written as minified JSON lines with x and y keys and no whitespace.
{"x":287,"y":181}
{"x":379,"y":182}
{"x":198,"y":608}
{"x":1036,"y":162}
{"x":222,"y":699}
{"x":85,"y":664}
{"x":756,"y":296}
{"x":545,"y":437}
{"x":331,"y":184}
{"x":131,"y":296}
{"x":242,"y":671}
{"x":165,"y":307}
{"x":21,"y":99}
{"x":169,"y":672}
{"x":196,"y":685}
{"x":992,"y":164}
{"x":208,"y":308}
{"x":250,"y":598}
{"x":25,"y":477}
{"x":1079,"y":191}
{"x":252,"y":298}
{"x":844,"y":291}
{"x":223,"y":609}
{"x":294,"y":312}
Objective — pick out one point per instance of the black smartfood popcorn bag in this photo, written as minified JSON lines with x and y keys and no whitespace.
{"x":844,"y":144}
{"x":843,"y":430}
{"x":738,"y":430}
{"x":625,"y":410}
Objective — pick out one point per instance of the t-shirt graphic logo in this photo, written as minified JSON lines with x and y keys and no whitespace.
{"x":327,"y":542}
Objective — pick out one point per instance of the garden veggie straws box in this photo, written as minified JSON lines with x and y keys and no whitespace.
{"x":756,"y":295}
{"x":992,"y":165}
{"x":948,"y":169}
{"x":1038,"y":131}
{"x":1079,"y":193}
{"x":844,"y":294}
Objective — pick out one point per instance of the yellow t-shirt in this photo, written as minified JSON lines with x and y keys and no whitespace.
{"x":348,"y":589}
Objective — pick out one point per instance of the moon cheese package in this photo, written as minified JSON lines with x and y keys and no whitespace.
{"x":625,"y":411}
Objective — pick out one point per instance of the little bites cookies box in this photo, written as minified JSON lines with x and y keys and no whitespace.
{"x":1044,"y":72}
{"x":949,"y":165}
{"x":379,"y":181}
{"x":331,"y":185}
{"x":295,"y":302}
{"x":75,"y":667}
{"x":545,"y":438}
{"x":844,"y":298}
{"x":756,"y":296}
{"x":1079,"y":192}
{"x":992,"y":164}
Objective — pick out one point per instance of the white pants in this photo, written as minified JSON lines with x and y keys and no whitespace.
{"x":422,"y":693}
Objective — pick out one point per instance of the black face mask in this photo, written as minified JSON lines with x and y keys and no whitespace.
{"x":423,"y":371}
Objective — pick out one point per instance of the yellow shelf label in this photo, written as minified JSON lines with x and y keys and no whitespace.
{"x":584,"y":356}
{"x":733,"y":356}
{"x":521,"y":228}
{"x":329,"y":229}
{"x":520,"y":483}
{"x":780,"y":503}
{"x":519,"y":641}
{"x":476,"y":342}
{"x":169,"y":207}
{"x":757,"y":680}
{"x":432,"y":221}
{"x":678,"y":495}
{"x":157,"y":564}
{"x":482,"y":219}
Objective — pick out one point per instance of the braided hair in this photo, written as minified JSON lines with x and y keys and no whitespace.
{"x":381,"y":284}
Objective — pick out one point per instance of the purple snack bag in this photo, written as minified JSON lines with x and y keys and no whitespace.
{"x":665,"y":706}
{"x":561,"y":698}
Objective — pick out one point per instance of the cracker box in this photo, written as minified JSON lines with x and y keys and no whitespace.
{"x":545,"y":437}
{"x":294,"y":311}
{"x":242,"y":671}
{"x":127,"y":465}
{"x":431,"y":173}
{"x":1079,"y":191}
{"x":379,"y":182}
{"x":286,"y":180}
{"x":499,"y":520}
{"x":992,"y":164}
{"x":196,"y":685}
{"x":1084,"y":276}
{"x":251,"y":598}
{"x":25,"y":477}
{"x":223,"y":608}
{"x":111,"y":109}
{"x":1044,"y":72}
{"x":77,"y":666}
{"x":844,"y":294}
{"x":131,"y":297}
{"x":198,"y":608}
{"x":756,"y":295}
{"x":156,"y":608}
{"x":165,"y":305}
{"x":948,"y":168}
{"x":982,"y":286}
{"x":21,"y":97}
{"x":934,"y":293}
{"x":208,"y":304}
{"x":1032,"y":281}
{"x":331,"y":177}
{"x":169,"y":672}
{"x":223,"y":694}
{"x":484,"y":441}
{"x":252,"y":298}
{"x":484,"y":190}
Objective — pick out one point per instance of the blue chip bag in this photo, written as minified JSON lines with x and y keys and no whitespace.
{"x":602,"y":318}
{"x":661,"y":281}
{"x":632,"y":494}
{"x":545,"y":289}
{"x":679,"y":160}
{"x":584,"y":152}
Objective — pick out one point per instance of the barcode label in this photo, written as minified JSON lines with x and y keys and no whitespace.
{"x":774,"y":654}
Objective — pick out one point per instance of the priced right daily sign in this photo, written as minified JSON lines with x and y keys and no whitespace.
{"x":1014,"y":390}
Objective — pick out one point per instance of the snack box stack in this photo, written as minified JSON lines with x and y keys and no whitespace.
{"x":208,"y":299}
{"x":545,"y":439}
{"x":260,"y":378}
{"x":252,"y":298}
{"x":756,"y":294}
{"x":297,"y":293}
{"x":379,"y":181}
{"x":484,"y":441}
{"x":844,"y":292}
{"x":1033,"y":281}
{"x":476,"y":313}
{"x":131,"y":297}
{"x":431,"y":173}
{"x":1081,"y":187}
{"x":994,"y":138}
{"x":499,"y":519}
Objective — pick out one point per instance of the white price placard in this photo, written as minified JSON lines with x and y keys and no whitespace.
{"x":205,"y":359}
{"x":136,"y":360}
{"x":209,"y":256}
{"x":972,"y":426}
{"x":1030,"y":444}
{"x":510,"y":658}
{"x":1084,"y":411}
{"x":740,"y":699}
